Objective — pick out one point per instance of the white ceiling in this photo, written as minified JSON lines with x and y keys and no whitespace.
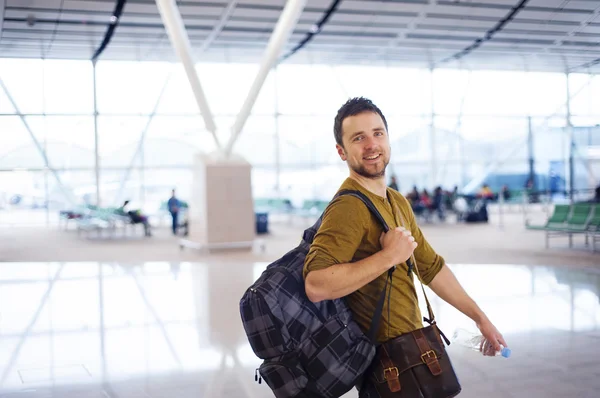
{"x":546,"y":35}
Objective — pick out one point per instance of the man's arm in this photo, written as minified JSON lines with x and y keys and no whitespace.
{"x":445,"y":285}
{"x":329,"y":271}
{"x":339,"y":280}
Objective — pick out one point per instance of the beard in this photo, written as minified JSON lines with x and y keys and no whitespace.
{"x":371,"y":171}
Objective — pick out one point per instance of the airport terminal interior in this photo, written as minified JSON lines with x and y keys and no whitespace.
{"x":157,"y":155}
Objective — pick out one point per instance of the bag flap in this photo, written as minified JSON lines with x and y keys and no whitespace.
{"x":405,"y":353}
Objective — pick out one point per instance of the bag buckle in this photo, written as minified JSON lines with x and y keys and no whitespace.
{"x":429,"y":354}
{"x":390,"y":370}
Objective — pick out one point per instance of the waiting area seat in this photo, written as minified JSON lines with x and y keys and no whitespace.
{"x":97,"y":219}
{"x":570,"y":220}
{"x":273,"y":205}
{"x":311,"y":208}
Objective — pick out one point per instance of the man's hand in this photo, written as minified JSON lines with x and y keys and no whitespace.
{"x":398,"y":244}
{"x":493,"y":338}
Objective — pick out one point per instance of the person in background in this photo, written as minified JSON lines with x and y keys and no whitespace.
{"x":437,"y":203}
{"x":505,"y":193}
{"x":136,"y":217}
{"x":426,"y":199}
{"x":393,"y":183}
{"x":173,"y":205}
{"x":414,"y":197}
{"x":486,"y":192}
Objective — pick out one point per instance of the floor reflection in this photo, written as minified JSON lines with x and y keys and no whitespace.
{"x":173,"y":329}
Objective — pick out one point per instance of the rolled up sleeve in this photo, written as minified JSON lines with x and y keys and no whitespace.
{"x":341,"y":232}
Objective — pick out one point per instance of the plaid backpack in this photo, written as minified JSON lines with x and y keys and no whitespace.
{"x":309,"y":349}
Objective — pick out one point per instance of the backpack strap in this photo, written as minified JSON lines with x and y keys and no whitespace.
{"x":372,"y":334}
{"x":310,"y":233}
{"x":365,"y":199}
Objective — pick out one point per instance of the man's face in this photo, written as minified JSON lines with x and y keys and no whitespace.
{"x":366,"y":144}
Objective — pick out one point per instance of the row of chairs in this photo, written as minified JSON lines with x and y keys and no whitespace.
{"x":569,"y":220}
{"x":97,"y":219}
{"x":310,"y":208}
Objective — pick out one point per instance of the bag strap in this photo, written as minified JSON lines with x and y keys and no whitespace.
{"x":311,"y":232}
{"x":400,"y":220}
{"x":376,"y":320}
{"x":365,"y":199}
{"x":431,"y":319}
{"x":377,"y":215}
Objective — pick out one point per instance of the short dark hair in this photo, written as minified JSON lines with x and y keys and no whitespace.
{"x":352,"y":107}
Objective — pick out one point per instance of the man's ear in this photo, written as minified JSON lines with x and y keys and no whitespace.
{"x":341,"y":152}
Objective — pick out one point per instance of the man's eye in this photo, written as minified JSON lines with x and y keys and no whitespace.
{"x":358,"y":138}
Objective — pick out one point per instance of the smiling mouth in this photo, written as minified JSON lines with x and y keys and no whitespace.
{"x":372,"y":157}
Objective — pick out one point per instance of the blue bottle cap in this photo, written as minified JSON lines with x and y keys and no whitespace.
{"x":506,"y":352}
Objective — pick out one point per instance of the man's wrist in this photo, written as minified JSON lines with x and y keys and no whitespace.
{"x":479,"y":317}
{"x":388,"y":261}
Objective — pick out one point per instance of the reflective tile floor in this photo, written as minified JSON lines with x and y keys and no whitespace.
{"x":173,"y":330}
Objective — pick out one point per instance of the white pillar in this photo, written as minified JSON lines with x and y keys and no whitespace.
{"x":181,"y":43}
{"x":277,"y":139}
{"x":284,"y":28}
{"x":2,"y":8}
{"x":571,"y":174}
{"x":96,"y":148}
{"x":432,"y":138}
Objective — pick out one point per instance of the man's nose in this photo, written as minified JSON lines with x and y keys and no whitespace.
{"x":370,"y":143}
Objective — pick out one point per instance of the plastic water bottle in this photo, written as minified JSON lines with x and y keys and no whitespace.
{"x":477,"y":342}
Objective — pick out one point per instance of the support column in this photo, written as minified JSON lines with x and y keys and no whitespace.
{"x":571,"y":174}
{"x":142,"y":175}
{"x":96,"y":147}
{"x":223,"y":216}
{"x":46,"y":187}
{"x":458,"y":132}
{"x":432,"y":137}
{"x":284,"y":28}
{"x":277,"y":139}
{"x":463,"y":167}
{"x":179,"y":39}
{"x":530,"y":150}
{"x":2,"y":9}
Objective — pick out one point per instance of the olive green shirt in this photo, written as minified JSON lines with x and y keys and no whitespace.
{"x":349,"y":233}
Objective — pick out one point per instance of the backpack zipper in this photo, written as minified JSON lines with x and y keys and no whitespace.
{"x":257,"y":376}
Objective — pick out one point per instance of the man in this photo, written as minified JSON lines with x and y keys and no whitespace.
{"x":173,"y":206}
{"x":350,"y":254}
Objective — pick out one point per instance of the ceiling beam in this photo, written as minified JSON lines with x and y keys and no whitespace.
{"x":280,"y":36}
{"x":2,"y":8}
{"x":218,"y":28}
{"x":180,"y":42}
